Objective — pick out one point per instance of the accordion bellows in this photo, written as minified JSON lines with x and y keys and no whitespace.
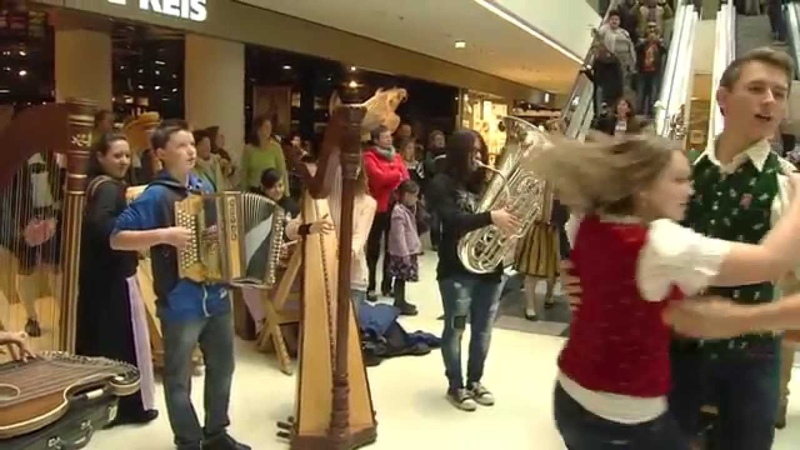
{"x":236,"y":238}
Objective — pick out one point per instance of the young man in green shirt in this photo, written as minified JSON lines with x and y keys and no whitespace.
{"x":741,"y":190}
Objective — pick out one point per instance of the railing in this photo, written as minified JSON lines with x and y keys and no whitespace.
{"x":723,"y":55}
{"x":577,"y":106}
{"x":792,"y":15}
{"x":677,"y":71}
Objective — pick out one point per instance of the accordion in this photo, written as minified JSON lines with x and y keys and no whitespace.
{"x":236,"y":238}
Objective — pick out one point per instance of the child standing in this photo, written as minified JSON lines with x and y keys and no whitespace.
{"x":404,"y":244}
{"x":614,"y":372}
{"x":189,"y":312}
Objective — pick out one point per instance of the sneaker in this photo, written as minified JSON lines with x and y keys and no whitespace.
{"x":406,"y":309}
{"x":480,"y":394}
{"x":461,"y":399}
{"x":224,"y":442}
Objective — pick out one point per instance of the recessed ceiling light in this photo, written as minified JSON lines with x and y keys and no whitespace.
{"x":353,"y":68}
{"x":461,"y":44}
{"x":287,"y":67}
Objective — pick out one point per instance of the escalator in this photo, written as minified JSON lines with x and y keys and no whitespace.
{"x":578,"y":112}
{"x":752,"y":32}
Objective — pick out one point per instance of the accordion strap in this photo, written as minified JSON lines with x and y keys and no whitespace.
{"x":95,"y":183}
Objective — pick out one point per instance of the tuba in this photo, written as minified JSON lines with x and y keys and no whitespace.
{"x":513,"y":187}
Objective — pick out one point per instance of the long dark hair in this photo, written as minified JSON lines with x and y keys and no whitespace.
{"x":459,"y":163}
{"x":101,"y":147}
{"x":258,"y":122}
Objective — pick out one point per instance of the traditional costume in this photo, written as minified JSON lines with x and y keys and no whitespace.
{"x":737,"y":202}
{"x":111,"y":316}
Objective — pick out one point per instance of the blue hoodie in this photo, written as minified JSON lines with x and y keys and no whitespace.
{"x":177,"y":299}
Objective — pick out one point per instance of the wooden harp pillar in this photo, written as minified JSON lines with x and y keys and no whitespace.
{"x":80,"y":121}
{"x":333,"y":407}
{"x":350,"y":155}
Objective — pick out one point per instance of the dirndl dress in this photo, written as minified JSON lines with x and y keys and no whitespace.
{"x":539,"y":252}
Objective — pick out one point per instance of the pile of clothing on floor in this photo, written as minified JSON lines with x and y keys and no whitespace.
{"x":383,"y":337}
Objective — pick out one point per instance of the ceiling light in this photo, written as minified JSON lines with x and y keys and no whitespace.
{"x":22,"y":73}
{"x":353,"y":68}
{"x":503,"y":12}
{"x":287,"y":67}
{"x":461,"y":44}
{"x":352,"y":84}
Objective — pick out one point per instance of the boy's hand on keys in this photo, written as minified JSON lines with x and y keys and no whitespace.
{"x":178,"y":237}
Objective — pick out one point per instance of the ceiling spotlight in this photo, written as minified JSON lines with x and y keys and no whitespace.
{"x":353,"y":68}
{"x":287,"y":67}
{"x":22,"y":73}
{"x":352,"y":84}
{"x":461,"y":44}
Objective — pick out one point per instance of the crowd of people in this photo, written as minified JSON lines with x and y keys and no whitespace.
{"x":629,"y":56}
{"x":724,"y":226}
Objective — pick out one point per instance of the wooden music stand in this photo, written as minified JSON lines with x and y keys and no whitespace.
{"x":278,"y":313}
{"x":333,"y":404}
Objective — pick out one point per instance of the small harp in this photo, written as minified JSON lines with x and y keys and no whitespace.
{"x":236,"y":238}
{"x":43,"y":169}
{"x":37,"y":393}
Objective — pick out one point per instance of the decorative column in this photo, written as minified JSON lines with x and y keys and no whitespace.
{"x":80,"y":121}
{"x":83,"y":66}
{"x":214,"y":88}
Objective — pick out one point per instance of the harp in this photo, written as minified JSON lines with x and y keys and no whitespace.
{"x":42,"y":180}
{"x":333,"y":405}
{"x":237,"y":238}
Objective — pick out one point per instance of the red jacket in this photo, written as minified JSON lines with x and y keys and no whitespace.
{"x":383,"y":176}
{"x":618,"y":342}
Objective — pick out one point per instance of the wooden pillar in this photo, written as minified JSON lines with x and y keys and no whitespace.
{"x":80,"y":122}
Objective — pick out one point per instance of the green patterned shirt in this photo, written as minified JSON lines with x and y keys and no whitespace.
{"x":736,"y":207}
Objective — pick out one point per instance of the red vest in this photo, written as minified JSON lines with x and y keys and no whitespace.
{"x":618,"y":342}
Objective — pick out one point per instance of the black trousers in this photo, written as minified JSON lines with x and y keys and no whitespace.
{"x":379,"y":234}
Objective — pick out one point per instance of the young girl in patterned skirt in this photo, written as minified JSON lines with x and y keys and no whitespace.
{"x":404,"y":243}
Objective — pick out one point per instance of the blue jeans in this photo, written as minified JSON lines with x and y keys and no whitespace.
{"x":746,"y":391}
{"x":467,"y":296}
{"x":215,"y":336}
{"x":582,"y":430}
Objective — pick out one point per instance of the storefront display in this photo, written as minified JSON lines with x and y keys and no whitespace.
{"x":483,"y":113}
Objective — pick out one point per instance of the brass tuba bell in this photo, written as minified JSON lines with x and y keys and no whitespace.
{"x":513,"y":187}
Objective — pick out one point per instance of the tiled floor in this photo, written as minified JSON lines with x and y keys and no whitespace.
{"x":408,"y":393}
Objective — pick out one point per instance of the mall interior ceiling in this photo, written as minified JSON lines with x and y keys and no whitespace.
{"x":493,"y":44}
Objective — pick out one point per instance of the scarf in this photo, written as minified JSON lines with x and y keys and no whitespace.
{"x":386,"y":153}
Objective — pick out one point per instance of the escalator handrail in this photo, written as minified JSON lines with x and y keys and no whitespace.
{"x":580,"y":81}
{"x":792,"y":14}
{"x":682,"y":19}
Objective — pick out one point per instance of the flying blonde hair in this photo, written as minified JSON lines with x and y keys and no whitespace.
{"x":603,"y":174}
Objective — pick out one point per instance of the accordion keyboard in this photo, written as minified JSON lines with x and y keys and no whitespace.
{"x":189,"y":254}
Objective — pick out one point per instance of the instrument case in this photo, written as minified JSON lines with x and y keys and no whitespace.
{"x":86,"y":415}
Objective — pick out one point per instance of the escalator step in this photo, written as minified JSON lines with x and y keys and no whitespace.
{"x":752,"y":32}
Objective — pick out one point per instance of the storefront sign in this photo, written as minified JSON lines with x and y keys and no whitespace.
{"x":194,"y":10}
